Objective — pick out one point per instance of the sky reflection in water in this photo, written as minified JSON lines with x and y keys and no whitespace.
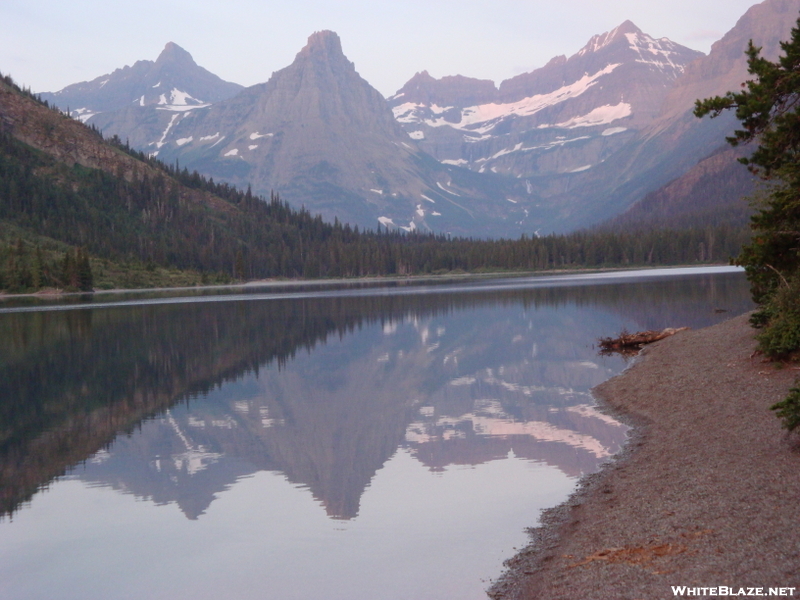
{"x":329,"y":444}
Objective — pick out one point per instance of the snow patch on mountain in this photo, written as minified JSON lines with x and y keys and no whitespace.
{"x":472,"y":139}
{"x":503,"y":152}
{"x":387,"y":222}
{"x":160,"y":143}
{"x":598,"y":42}
{"x":182,"y":107}
{"x":182,"y":98}
{"x":560,"y":141}
{"x":83,"y":114}
{"x":602,"y":115}
{"x":484,"y":117}
{"x":445,"y":189}
{"x":176,"y":101}
{"x":661,"y":51}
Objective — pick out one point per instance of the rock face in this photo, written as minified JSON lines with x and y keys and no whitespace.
{"x":323,"y":137}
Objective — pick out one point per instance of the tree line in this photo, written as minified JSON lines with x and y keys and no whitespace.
{"x":151,"y":221}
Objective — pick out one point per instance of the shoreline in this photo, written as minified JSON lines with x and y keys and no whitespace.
{"x":705,"y":492}
{"x":58,"y":294}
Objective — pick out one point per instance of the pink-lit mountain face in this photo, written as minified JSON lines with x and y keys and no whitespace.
{"x":564,"y":118}
{"x":569,"y":145}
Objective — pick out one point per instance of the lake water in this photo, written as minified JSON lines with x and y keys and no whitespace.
{"x":360,"y":441}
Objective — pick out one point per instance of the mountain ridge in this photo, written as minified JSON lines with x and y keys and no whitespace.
{"x":562,"y":147}
{"x":145,"y":83}
{"x":554,"y":127}
{"x":319,"y":134}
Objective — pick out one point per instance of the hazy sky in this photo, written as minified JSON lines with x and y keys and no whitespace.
{"x":49,"y":44}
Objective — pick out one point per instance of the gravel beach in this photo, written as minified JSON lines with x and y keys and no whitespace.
{"x":706,"y":494}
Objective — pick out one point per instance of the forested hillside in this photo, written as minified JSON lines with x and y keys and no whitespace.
{"x":71,"y":202}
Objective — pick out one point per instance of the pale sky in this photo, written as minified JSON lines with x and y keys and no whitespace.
{"x":47,"y":44}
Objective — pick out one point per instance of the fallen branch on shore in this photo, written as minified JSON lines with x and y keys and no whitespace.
{"x":629,"y":343}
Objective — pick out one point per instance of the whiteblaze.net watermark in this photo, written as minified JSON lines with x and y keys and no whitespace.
{"x":724,"y":590}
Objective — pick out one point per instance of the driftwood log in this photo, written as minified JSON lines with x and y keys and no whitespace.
{"x":630,"y":343}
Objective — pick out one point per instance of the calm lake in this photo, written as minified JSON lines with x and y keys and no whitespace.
{"x":353,"y":441}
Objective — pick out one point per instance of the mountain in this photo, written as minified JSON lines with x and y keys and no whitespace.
{"x":680,"y":167}
{"x":563,"y":147}
{"x":62,"y":185}
{"x":139,"y":101}
{"x":548,"y":127}
{"x":592,"y":135}
{"x":323,"y":137}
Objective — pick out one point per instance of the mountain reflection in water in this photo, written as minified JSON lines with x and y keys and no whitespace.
{"x":178,"y":403}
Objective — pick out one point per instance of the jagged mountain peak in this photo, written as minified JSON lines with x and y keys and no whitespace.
{"x":323,"y":44}
{"x":603,"y":40}
{"x":628,"y":34}
{"x":450,"y":90}
{"x":421,"y":77}
{"x":174,"y":82}
{"x":627,"y":26}
{"x":173,"y":53}
{"x":323,"y":56}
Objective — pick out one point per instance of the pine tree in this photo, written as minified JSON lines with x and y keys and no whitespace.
{"x":69,"y":271}
{"x":85,"y":279}
{"x":768,"y":108}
